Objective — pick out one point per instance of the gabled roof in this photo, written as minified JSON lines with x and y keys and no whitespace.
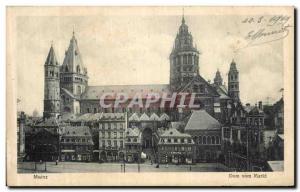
{"x":154,"y":117}
{"x":164,"y":117}
{"x":134,"y":117}
{"x":253,"y":110}
{"x":144,"y":117}
{"x":172,"y":132}
{"x":201,"y":120}
{"x":211,"y":90}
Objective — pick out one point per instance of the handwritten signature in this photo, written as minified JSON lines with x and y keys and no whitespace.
{"x":266,"y":29}
{"x":265,"y":35}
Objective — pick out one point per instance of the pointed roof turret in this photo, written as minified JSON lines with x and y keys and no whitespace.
{"x":51,"y":58}
{"x":218,"y":79}
{"x":184,"y":39}
{"x":233,"y":66}
{"x":73,"y":61}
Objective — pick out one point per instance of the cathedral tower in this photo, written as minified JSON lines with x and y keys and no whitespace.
{"x":73,"y":74}
{"x":233,"y":82}
{"x":51,"y":87}
{"x":218,"y":79}
{"x":184,"y":58}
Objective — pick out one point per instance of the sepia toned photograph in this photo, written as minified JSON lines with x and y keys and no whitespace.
{"x":148,"y":93}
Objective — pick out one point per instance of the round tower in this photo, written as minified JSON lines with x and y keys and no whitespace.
{"x":51,"y":87}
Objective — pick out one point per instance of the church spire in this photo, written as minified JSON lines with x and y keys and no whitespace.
{"x":51,"y":58}
{"x":183,"y":20}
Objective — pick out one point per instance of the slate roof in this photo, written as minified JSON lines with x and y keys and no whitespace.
{"x":88,"y":117}
{"x":51,"y":58}
{"x":164,"y":117}
{"x":96,"y":92}
{"x":50,"y":122}
{"x":134,"y":117}
{"x":144,"y":117}
{"x":154,"y":117}
{"x":201,"y":120}
{"x":77,"y":131}
{"x":73,"y":58}
{"x":85,"y":117}
{"x":68,"y":117}
{"x":172,"y":132}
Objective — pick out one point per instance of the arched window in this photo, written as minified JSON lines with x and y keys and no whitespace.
{"x":208,"y":140}
{"x":195,"y":139}
{"x":217,"y":140}
{"x":213,"y":140}
{"x":204,"y":140}
{"x":78,"y":90}
{"x":200,"y":140}
{"x":78,"y":69}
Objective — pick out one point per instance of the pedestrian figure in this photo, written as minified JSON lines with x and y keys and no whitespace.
{"x":56,"y":162}
{"x":190,"y":168}
{"x":167,"y":165}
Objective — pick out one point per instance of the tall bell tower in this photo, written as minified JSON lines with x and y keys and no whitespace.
{"x":51,"y":87}
{"x":73,"y":74}
{"x":233,"y":82}
{"x":184,"y":58}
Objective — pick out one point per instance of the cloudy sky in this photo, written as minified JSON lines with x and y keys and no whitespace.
{"x":131,"y":49}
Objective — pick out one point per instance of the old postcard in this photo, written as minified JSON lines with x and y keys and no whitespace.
{"x":150,"y":96}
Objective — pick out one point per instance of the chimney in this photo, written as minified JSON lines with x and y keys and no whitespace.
{"x":260,"y":105}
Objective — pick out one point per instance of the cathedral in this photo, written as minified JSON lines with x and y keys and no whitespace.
{"x":67,"y":91}
{"x":75,"y":119}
